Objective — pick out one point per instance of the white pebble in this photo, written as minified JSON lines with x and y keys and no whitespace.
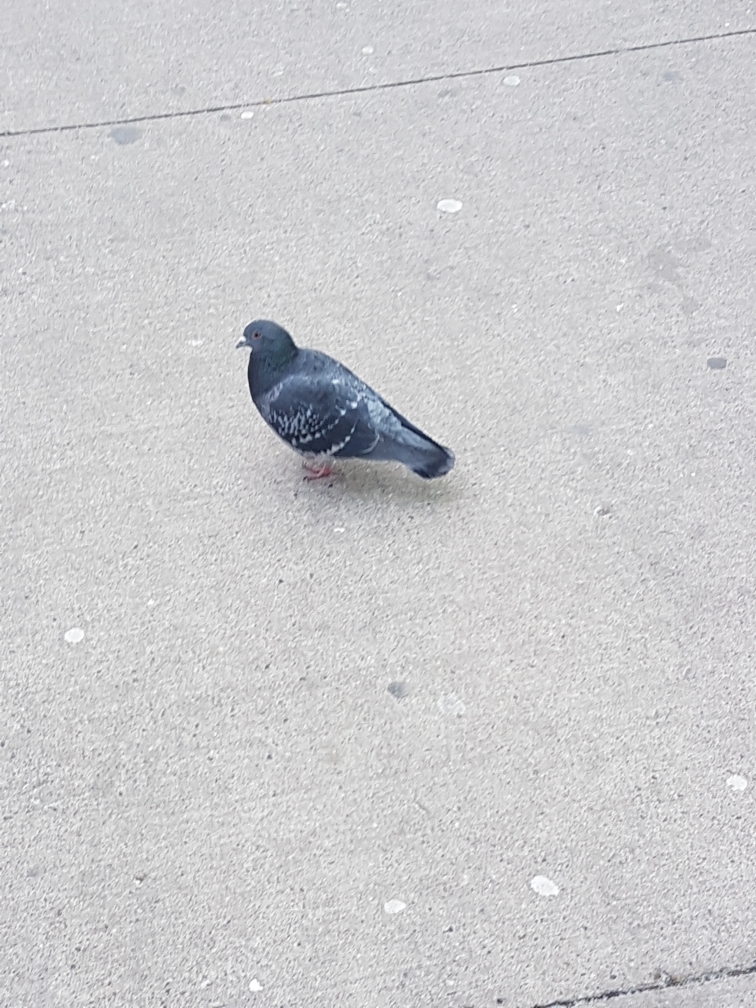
{"x":513,"y":80}
{"x":450,"y":704}
{"x":543,"y":886}
{"x":74,"y":636}
{"x":247,"y":114}
{"x":394,"y":906}
{"x":737,"y":783}
{"x":449,"y":205}
{"x":368,"y":50}
{"x":255,"y":985}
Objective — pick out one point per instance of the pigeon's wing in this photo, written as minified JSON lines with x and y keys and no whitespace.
{"x":322,"y":413}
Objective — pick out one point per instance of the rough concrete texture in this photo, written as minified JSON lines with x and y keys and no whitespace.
{"x":335,"y":743}
{"x":83,"y":62}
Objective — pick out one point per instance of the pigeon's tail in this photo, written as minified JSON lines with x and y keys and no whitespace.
{"x":429,"y":459}
{"x":425,"y":457}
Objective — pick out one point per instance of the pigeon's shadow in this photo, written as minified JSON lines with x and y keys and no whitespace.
{"x":371,"y":481}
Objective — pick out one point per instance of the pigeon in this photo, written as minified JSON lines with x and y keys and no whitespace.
{"x":323,"y":411}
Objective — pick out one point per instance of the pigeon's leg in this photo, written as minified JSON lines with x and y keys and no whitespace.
{"x":317,"y":469}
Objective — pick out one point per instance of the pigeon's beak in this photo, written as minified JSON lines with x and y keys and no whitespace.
{"x":242,"y":342}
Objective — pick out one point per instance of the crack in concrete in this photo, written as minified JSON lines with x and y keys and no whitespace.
{"x":665,"y":983}
{"x":311,"y":96}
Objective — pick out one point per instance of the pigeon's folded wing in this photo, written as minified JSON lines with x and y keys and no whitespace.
{"x":321,"y":416}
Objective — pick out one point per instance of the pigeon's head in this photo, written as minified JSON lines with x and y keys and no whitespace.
{"x":267,"y":338}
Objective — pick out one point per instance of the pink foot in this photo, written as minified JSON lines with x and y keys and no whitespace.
{"x":317,"y":470}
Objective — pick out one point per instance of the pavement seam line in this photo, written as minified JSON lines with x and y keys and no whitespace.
{"x":388,"y":85}
{"x":667,"y":983}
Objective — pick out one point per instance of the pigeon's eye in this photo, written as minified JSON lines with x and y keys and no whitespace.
{"x":256,"y":335}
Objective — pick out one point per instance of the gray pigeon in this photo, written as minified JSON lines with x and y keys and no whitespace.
{"x":323,"y":411}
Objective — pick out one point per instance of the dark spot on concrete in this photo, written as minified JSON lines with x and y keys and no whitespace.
{"x":690,"y":305}
{"x":34,"y":872}
{"x":398,"y":689}
{"x":671,"y":75}
{"x":225,"y":117}
{"x":125,"y":135}
{"x":717,"y":363}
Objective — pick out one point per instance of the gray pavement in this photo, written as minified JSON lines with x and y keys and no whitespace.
{"x":371,"y":741}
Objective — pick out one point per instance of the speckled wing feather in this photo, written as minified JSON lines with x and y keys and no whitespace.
{"x":321,"y":408}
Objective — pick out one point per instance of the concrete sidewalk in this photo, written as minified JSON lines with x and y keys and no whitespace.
{"x":372,"y":742}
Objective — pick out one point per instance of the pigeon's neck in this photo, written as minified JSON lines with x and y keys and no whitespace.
{"x":267,"y":370}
